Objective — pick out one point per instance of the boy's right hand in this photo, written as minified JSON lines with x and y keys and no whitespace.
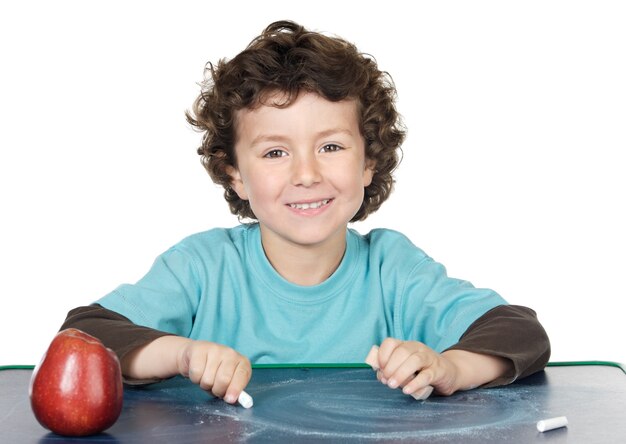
{"x":216,"y":368}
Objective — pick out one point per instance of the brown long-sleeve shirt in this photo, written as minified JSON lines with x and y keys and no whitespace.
{"x":508,"y":331}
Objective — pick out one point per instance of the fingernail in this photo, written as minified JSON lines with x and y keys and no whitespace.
{"x":229,"y":399}
{"x":392,"y":383}
{"x":383,"y":380}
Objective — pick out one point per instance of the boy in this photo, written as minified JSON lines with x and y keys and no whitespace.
{"x":302,"y":132}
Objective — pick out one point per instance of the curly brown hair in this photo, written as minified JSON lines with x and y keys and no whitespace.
{"x":287,"y":57}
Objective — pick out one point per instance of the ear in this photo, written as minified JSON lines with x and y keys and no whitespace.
{"x":236,"y":182}
{"x":368,"y":172}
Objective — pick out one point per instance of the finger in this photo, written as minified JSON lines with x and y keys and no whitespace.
{"x":227,"y":371}
{"x":406,"y":371}
{"x":209,"y":373}
{"x":386,"y":349}
{"x":223,"y":376}
{"x":397,"y":361}
{"x":419,"y":382}
{"x":240,"y":379}
{"x":196,"y":364}
{"x":424,"y":393}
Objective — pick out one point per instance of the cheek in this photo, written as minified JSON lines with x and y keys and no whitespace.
{"x":260,"y":189}
{"x":353,"y":189}
{"x":252,"y":184}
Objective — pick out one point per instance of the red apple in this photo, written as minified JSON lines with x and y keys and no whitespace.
{"x":76,"y":390}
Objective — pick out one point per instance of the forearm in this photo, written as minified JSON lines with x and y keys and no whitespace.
{"x":147,"y":355}
{"x":114,"y":330}
{"x":512,"y":333}
{"x":159,"y":359}
{"x":475,"y":369}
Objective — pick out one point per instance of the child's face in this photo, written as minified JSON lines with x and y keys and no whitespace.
{"x":302,"y":168}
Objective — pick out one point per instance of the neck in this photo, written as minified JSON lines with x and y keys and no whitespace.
{"x":304,"y":264}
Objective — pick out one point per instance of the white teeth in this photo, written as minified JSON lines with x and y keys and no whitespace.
{"x":306,"y":206}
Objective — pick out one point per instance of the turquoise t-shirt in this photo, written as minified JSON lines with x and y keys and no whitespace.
{"x":219,"y":286}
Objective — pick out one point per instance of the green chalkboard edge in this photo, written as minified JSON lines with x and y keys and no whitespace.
{"x":16,"y":367}
{"x":360,"y":365}
{"x":570,"y":363}
{"x":319,"y":365}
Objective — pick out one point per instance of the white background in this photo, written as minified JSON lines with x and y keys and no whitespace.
{"x":512,"y":177}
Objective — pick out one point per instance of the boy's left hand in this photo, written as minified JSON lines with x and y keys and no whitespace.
{"x":414,"y":366}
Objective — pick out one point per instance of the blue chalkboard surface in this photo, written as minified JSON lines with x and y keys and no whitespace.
{"x":348,"y":405}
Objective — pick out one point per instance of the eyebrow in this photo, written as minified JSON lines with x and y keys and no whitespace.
{"x":280,"y":138}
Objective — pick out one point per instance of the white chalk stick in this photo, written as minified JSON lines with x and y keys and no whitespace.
{"x":553,"y":423}
{"x":245,"y":400}
{"x":372,"y":357}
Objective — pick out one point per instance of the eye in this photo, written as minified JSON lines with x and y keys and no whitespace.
{"x":275,"y":153}
{"x":330,"y":147}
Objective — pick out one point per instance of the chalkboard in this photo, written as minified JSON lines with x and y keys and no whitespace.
{"x":348,"y":405}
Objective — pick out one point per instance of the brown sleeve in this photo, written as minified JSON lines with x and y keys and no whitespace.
{"x":115,"y":331}
{"x":512,"y":332}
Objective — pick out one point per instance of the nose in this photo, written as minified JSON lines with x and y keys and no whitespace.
{"x":305,"y":171}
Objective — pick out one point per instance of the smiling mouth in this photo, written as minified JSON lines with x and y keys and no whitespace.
{"x":309,"y":205}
